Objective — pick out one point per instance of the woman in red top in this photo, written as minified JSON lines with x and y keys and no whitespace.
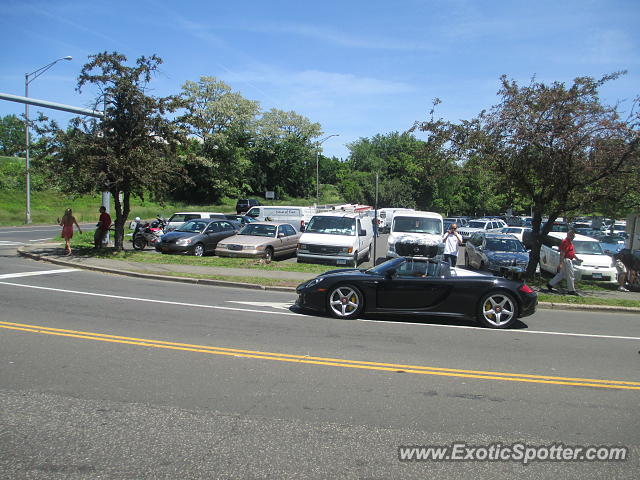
{"x":67,"y":222}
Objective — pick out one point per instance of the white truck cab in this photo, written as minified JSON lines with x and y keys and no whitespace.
{"x":337,"y":238}
{"x":415,"y":234}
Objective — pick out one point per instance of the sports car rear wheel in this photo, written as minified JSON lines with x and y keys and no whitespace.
{"x":497,"y":310}
{"x":345,"y":301}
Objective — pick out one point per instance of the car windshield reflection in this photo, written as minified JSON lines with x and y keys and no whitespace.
{"x":505,"y":245}
{"x":192,"y":227}
{"x":259,"y":230}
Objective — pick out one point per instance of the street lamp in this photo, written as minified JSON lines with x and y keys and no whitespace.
{"x":318,"y":165}
{"x":28,"y":78}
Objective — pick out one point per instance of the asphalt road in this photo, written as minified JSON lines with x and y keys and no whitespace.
{"x":115,"y":377}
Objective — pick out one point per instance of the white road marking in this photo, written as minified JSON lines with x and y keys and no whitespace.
{"x":7,"y":243}
{"x":29,"y":230}
{"x":41,"y":239}
{"x":217,"y":307}
{"x":282,"y":305}
{"x":33,"y":274}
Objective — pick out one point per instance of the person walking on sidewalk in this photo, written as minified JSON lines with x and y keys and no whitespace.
{"x":565,"y":267}
{"x":102,"y":228}
{"x":67,"y":222}
{"x":452,"y":241}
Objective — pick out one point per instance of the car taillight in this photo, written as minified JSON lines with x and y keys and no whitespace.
{"x":524,"y":288}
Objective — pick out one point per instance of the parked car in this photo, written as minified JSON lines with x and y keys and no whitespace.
{"x":495,"y":252}
{"x":405,"y":285}
{"x":517,"y":232}
{"x":179,"y":218}
{"x":611,"y":244}
{"x":196,"y":237}
{"x":596,"y":265}
{"x":417,"y":234}
{"x":244,"y":204}
{"x":481,"y":225}
{"x":241,"y":219}
{"x":261,"y":239}
{"x":337,"y":238}
{"x":459,"y":221}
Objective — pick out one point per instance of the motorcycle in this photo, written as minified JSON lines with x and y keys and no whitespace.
{"x":148,"y":234}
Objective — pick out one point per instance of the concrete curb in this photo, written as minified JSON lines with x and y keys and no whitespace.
{"x":251,"y":286}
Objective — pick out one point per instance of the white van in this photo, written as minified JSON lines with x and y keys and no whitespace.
{"x":415,"y":234}
{"x":596,"y":265}
{"x":296,"y":216}
{"x":337,"y":238}
{"x":179,"y":218}
{"x":386,"y":214}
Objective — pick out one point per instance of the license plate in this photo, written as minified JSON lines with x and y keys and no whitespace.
{"x":342,"y":262}
{"x":597,"y":275}
{"x":165,"y":248}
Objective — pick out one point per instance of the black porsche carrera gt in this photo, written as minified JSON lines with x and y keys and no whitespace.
{"x":419,"y":286}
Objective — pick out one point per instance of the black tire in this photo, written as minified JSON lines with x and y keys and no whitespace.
{"x":198,"y":250}
{"x":139,"y":243}
{"x":345,"y":302}
{"x":497,"y":309}
{"x":268,"y":254}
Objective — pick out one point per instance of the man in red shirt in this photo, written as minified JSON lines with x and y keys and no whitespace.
{"x":565,"y":267}
{"x":102,"y":228}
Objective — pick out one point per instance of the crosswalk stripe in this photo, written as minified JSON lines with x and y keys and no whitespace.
{"x":32,"y":274}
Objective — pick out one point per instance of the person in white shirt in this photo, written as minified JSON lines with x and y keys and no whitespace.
{"x":452,"y":241}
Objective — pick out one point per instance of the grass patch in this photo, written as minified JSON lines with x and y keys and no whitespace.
{"x":613,"y":302}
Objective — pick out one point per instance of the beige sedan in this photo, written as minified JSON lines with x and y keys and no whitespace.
{"x":261,"y":239}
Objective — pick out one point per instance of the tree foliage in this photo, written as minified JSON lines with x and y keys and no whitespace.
{"x":132,"y":150}
{"x":12,"y":136}
{"x":558,"y":146}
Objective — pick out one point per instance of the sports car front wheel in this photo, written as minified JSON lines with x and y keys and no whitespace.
{"x":345,"y":301}
{"x":498,"y":310}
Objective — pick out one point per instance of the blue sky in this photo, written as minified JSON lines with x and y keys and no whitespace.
{"x":359,"y":68}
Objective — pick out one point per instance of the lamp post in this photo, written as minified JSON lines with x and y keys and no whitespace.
{"x":318,"y":165}
{"x":28,"y":78}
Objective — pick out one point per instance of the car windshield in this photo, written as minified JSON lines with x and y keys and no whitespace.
{"x":332,"y":226}
{"x":417,"y":225}
{"x":587,"y":248}
{"x":504,"y":245}
{"x":409,"y":267}
{"x":183,"y":217}
{"x":192,"y":227}
{"x":476,"y":224}
{"x":259,"y":230}
{"x":611,"y":239}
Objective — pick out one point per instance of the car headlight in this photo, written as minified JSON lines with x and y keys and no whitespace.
{"x":183,"y":241}
{"x":259,"y":247}
{"x":392,"y":247}
{"x":345,"y":250}
{"x":314,"y":282}
{"x":303,"y":246}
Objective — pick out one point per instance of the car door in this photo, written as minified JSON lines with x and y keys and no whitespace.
{"x":290,"y":240}
{"x":549,"y":258}
{"x":472,"y":250}
{"x":408,"y":289}
{"x":211,"y":236}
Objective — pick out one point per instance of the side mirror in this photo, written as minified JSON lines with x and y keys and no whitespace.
{"x":389,"y":274}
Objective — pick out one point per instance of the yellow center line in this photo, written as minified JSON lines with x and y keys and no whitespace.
{"x":328,"y":361}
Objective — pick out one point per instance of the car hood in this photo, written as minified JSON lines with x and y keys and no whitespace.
{"x":508,"y":256}
{"x":246,"y":240}
{"x":328,"y":239}
{"x":594,"y":260}
{"x":173,"y":236}
{"x":419,"y":238}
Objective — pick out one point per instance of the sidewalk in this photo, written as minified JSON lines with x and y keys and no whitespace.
{"x":54,"y":253}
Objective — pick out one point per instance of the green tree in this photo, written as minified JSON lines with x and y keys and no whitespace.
{"x":284,"y":153}
{"x":556,"y":145}
{"x":132,"y":150}
{"x":222,"y":122}
{"x":12,"y":136}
